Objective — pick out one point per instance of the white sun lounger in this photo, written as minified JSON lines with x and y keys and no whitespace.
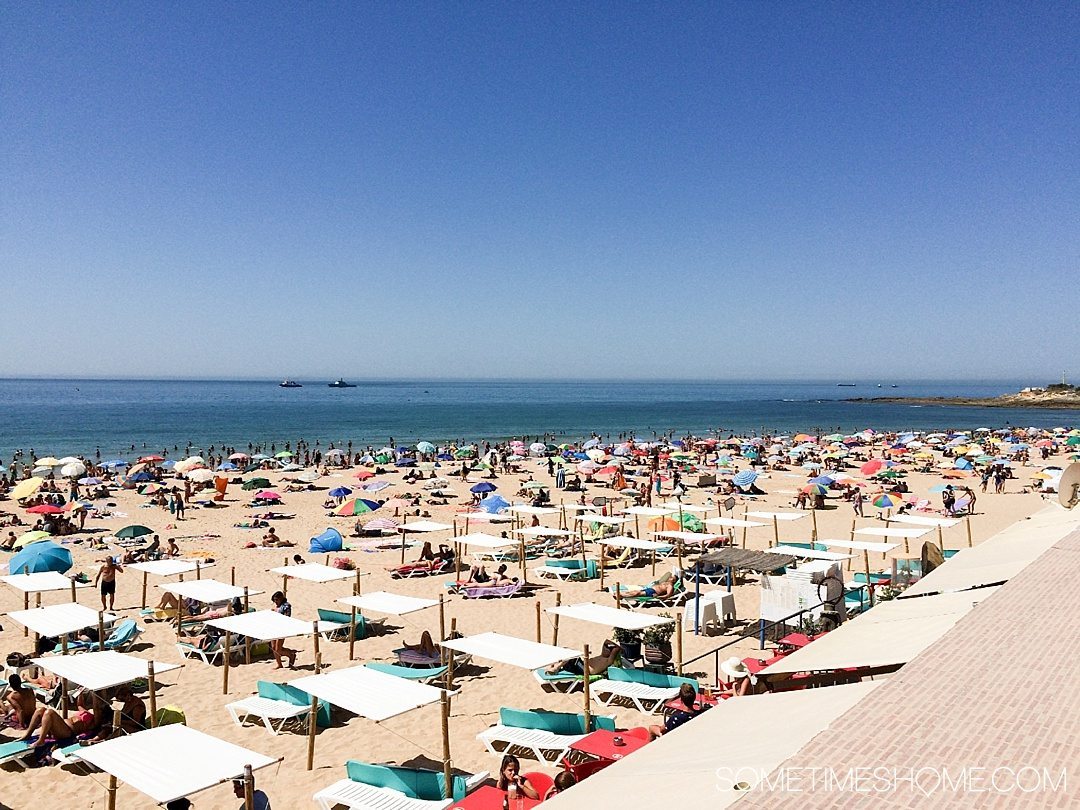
{"x":638,"y":693}
{"x":534,"y":740}
{"x":560,"y":573}
{"x":268,"y":710}
{"x":207,"y":657}
{"x":358,"y":796}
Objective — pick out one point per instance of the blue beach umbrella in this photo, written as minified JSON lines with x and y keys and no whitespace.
{"x":493,"y":504}
{"x":482,"y":487}
{"x":744,"y":478}
{"x":140,"y":478}
{"x":962,"y":464}
{"x":37,"y":558}
{"x":425,"y":447}
{"x":824,"y":480}
{"x":340,"y":492}
{"x":444,"y":457}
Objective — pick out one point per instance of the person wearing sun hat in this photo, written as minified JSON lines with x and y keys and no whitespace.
{"x":742,"y":679}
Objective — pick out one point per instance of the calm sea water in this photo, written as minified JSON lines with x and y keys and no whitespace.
{"x":63,"y":417}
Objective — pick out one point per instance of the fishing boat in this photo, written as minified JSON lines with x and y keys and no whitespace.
{"x":340,"y":383}
{"x":289,"y":384}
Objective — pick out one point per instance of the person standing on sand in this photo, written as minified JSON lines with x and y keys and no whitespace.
{"x":107,"y":577}
{"x":179,"y":505}
{"x":856,"y":502}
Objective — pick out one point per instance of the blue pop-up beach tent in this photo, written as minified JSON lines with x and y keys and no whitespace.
{"x":330,"y":540}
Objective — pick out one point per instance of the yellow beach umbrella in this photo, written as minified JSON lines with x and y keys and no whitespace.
{"x":24,"y":489}
{"x":31,"y":537}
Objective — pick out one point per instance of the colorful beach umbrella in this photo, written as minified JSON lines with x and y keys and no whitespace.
{"x":889,"y":500}
{"x":744,"y":478}
{"x":815,"y":489}
{"x":45,"y":509}
{"x":356,"y":506}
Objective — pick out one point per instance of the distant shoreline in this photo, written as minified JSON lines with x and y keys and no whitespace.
{"x":1061,"y":402}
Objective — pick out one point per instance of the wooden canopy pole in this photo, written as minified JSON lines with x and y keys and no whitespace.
{"x":447,"y":772}
{"x":352,"y":631}
{"x":678,"y":643}
{"x":144,"y":575}
{"x":442,"y":618}
{"x":967,"y":522}
{"x":152,"y":686}
{"x":318,"y":655}
{"x":555,"y":628}
{"x":603,"y":562}
{"x":538,"y":639}
{"x":585,"y":690}
{"x":311,"y":732}
{"x":225,"y":668}
{"x":249,"y":788}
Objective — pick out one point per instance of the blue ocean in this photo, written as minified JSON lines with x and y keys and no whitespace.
{"x":69,"y":417}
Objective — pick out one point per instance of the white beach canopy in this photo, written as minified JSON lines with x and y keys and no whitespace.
{"x":696,"y":538}
{"x":101,"y":670}
{"x":763,"y":732}
{"x":209,"y":591}
{"x":264,"y":625}
{"x":544,"y":531}
{"x":391,"y":603}
{"x":919,"y":520}
{"x":169,"y":568}
{"x":901,"y":533}
{"x":608,"y":520}
{"x":529,"y":509}
{"x":40,"y":582}
{"x":649,"y":511}
{"x":732,"y":523}
{"x":1000,"y":557}
{"x":807,"y":553}
{"x":517,"y":652}
{"x":609,"y":616}
{"x":859,"y":545}
{"x":777,"y":515}
{"x":313,"y":572}
{"x":425,"y":526}
{"x":147,"y":761}
{"x":893,"y":632}
{"x":622,"y":541}
{"x":482,"y":540}
{"x":59,"y":620}
{"x":369,"y":693}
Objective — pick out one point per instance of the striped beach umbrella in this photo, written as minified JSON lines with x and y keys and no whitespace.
{"x":889,"y":500}
{"x":356,"y":506}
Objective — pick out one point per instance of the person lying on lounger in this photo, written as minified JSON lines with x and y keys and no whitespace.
{"x":50,"y":723}
{"x":661,"y":589}
{"x":598,"y":664}
{"x":425,"y":647}
{"x":500,"y":577}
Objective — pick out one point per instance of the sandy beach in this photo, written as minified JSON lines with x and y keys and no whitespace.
{"x":412,"y":738}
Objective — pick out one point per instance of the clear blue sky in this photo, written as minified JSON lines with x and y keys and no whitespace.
{"x":540,"y":189}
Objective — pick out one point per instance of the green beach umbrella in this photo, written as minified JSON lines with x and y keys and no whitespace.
{"x":134,"y":531}
{"x":257,"y":483}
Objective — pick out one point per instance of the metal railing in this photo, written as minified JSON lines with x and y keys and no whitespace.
{"x":761,"y":631}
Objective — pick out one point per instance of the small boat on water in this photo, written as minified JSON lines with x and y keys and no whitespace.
{"x":289,"y":384}
{"x":340,"y":383}
{"x":845,"y":385}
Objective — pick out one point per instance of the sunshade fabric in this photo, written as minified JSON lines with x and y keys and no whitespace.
{"x":808,"y":554}
{"x":147,"y":761}
{"x":385,"y":602}
{"x":42,"y":581}
{"x":893,"y":632}
{"x":206,"y":590}
{"x":482,"y":540}
{"x":632,"y":542}
{"x":170,"y":568}
{"x":368,"y":693}
{"x":688,"y":761}
{"x":902,"y":533}
{"x":859,"y":545}
{"x":778,"y":515}
{"x":1000,"y":557}
{"x":100,"y":670}
{"x":516,"y":652}
{"x":59,"y":620}
{"x":264,"y":625}
{"x":609,"y":616}
{"x":314,"y":572}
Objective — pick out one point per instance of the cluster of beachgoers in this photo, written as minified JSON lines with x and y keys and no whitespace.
{"x":190,"y":628}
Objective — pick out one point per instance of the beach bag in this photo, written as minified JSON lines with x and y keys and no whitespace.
{"x":17,"y":659}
